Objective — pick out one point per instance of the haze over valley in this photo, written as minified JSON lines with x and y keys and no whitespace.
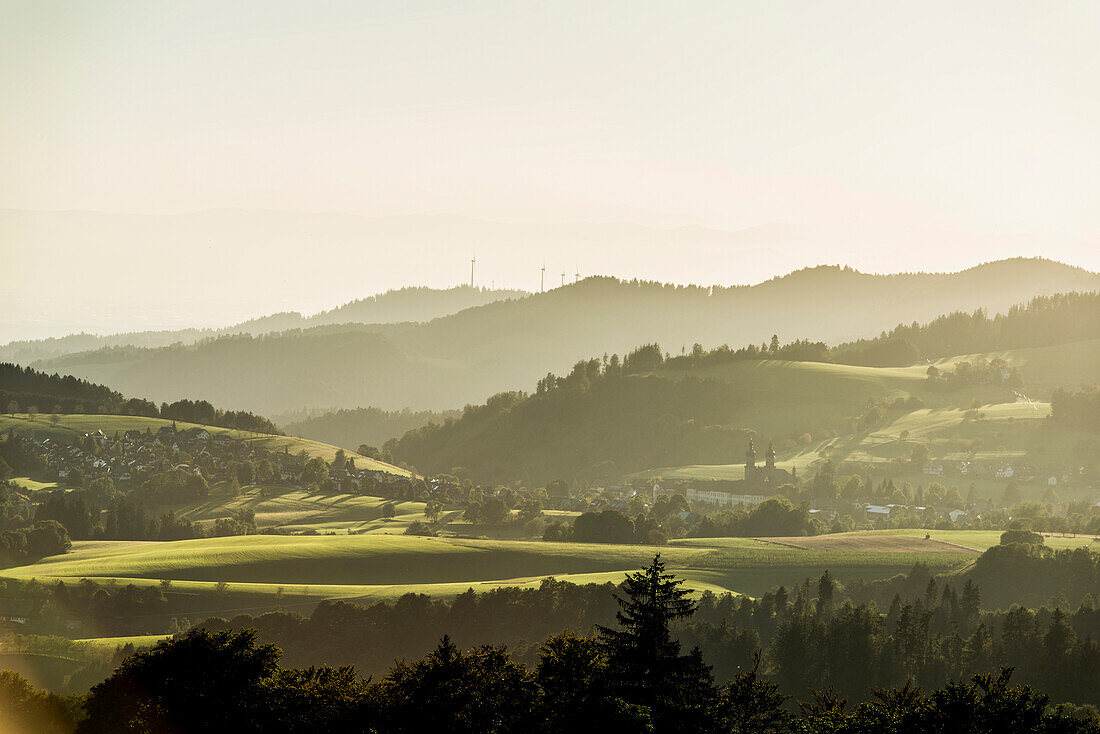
{"x":466,"y":356}
{"x":487,"y":367}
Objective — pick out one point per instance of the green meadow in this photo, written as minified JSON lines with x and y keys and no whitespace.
{"x":110,"y":644}
{"x":70,"y":427}
{"x":1046,"y":368}
{"x":978,"y":539}
{"x":383,"y":566}
{"x":298,"y":510}
{"x":825,"y":399}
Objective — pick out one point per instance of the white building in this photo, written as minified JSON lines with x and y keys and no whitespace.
{"x":720,"y":498}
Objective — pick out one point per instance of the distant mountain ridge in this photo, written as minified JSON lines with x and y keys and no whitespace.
{"x":412,"y":304}
{"x":508,"y":344}
{"x":229,"y":265}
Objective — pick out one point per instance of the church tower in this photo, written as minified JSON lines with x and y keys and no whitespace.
{"x":769,"y":458}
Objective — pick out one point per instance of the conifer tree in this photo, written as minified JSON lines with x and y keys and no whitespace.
{"x":644,"y":661}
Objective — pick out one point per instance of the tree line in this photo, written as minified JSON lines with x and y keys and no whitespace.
{"x":1079,"y":407}
{"x":1043,"y":321}
{"x":23,"y":389}
{"x":596,"y":423}
{"x":851,"y":636}
{"x":365,"y":428}
{"x":612,"y":416}
{"x":629,"y":675}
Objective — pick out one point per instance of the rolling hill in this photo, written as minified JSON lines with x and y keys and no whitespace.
{"x":72,"y":427}
{"x":354,"y":427}
{"x":392,"y":307}
{"x":375,"y":566}
{"x":464,"y":357}
{"x":694,"y":423}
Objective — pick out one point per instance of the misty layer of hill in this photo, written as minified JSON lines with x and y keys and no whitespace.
{"x":648,"y":411}
{"x":1043,"y":321}
{"x":26,"y":390}
{"x":308,"y":261}
{"x":412,"y":304}
{"x":22,"y":388}
{"x":507,"y":345}
{"x":357,"y":426}
{"x":591,"y":425}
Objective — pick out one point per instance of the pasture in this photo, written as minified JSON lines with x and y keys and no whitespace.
{"x":259,"y":573}
{"x":110,"y":644}
{"x":296,"y":510}
{"x":379,"y":566}
{"x":1045,"y":368}
{"x":825,"y":399}
{"x":70,"y":427}
{"x":978,"y":539}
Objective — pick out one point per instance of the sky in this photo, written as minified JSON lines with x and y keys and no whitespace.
{"x":890,"y":136}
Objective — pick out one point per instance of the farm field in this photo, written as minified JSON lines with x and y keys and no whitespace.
{"x":882,"y":544}
{"x":112,"y":643}
{"x":1045,"y":368}
{"x":798,"y":462}
{"x":297,"y":510}
{"x":967,"y":541}
{"x":787,"y":396}
{"x":254,"y":574}
{"x":34,"y":486}
{"x":977,"y":539}
{"x":72,"y":426}
{"x":374,"y":566}
{"x":1005,"y":427}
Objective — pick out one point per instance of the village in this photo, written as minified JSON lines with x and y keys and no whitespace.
{"x":132,"y":457}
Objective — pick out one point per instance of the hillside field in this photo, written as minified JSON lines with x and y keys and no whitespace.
{"x":787,"y":396}
{"x":259,"y":573}
{"x":377,"y":565}
{"x":1007,"y":426}
{"x":70,"y":427}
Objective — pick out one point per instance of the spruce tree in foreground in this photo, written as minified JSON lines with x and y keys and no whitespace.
{"x":644,"y":663}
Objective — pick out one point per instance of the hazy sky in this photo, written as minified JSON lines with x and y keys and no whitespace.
{"x":978,"y":118}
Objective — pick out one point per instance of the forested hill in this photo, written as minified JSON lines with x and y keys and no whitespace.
{"x":1044,"y":321}
{"x":23,"y":387}
{"x":404,"y":305}
{"x":25,"y":390}
{"x":608,"y":417}
{"x":506,"y":345}
{"x":356,"y":427}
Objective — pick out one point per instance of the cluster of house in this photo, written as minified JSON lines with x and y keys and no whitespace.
{"x":136,"y":455}
{"x":883,"y":512}
{"x":128,"y":456}
{"x":1021,"y":471}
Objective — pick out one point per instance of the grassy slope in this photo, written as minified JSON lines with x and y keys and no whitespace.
{"x":34,"y":486}
{"x":262,"y":573}
{"x":382,"y":565}
{"x":794,"y":396}
{"x":110,"y":644}
{"x":1045,"y":368}
{"x":300,"y":510}
{"x":786,"y":395}
{"x":70,"y":427}
{"x":979,"y":540}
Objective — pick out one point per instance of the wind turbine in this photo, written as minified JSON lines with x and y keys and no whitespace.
{"x":577,"y":274}
{"x":542,"y":278}
{"x":563,"y":277}
{"x":472,"y":261}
